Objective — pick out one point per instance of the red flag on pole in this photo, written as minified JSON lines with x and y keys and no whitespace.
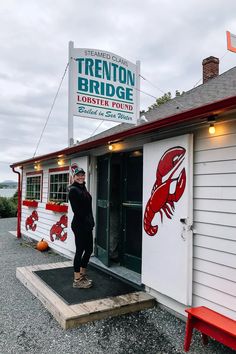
{"x":231,"y":41}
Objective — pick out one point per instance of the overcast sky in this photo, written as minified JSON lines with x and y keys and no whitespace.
{"x":170,"y":38}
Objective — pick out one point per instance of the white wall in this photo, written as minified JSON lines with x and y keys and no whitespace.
{"x":214,"y":263}
{"x":47,"y":218}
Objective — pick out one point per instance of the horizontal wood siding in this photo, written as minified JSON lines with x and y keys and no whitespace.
{"x":47,"y":218}
{"x":214,"y":239}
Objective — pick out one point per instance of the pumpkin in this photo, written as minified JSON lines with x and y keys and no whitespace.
{"x":42,"y":245}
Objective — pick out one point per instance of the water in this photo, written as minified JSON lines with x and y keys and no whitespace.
{"x":7,"y":192}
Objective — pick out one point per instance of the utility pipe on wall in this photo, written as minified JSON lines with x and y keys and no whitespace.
{"x":19,"y":203}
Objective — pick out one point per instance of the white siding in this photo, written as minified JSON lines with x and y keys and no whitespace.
{"x":47,"y":218}
{"x":214,"y":252}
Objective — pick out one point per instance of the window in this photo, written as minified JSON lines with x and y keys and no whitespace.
{"x":33,"y":187}
{"x":58,"y":187}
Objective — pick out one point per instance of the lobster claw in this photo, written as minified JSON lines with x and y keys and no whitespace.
{"x":162,"y":198}
{"x":180,"y":186}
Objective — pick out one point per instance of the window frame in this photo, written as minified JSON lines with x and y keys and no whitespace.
{"x":32,"y":175}
{"x":56,"y":172}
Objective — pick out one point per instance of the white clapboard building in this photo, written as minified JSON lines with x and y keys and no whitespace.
{"x":164,"y":196}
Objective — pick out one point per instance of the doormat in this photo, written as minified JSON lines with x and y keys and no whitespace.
{"x":104,"y":285}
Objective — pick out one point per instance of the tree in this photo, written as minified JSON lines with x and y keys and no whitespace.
{"x":8,"y":206}
{"x":163,"y":99}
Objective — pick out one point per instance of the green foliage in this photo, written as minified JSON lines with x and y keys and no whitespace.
{"x":8,"y":206}
{"x":163,"y":99}
{"x":15,"y":197}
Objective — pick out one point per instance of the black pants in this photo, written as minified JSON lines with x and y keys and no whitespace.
{"x":84,"y":247}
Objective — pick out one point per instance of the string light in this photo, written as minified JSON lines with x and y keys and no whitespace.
{"x":36,"y":166}
{"x":211,"y":120}
{"x":212,"y":129}
{"x":60,"y":162}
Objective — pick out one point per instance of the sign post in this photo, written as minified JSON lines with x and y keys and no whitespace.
{"x":70,"y":101}
{"x":138,"y":64}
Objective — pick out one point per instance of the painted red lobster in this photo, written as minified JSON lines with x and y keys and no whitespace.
{"x":58,"y":229}
{"x":161,"y":199}
{"x":30,"y":223}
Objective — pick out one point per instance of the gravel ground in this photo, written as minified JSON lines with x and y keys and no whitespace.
{"x":27,"y":327}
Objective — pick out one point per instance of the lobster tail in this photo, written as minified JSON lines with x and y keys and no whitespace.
{"x":150,"y":230}
{"x":64,"y":237}
{"x":148,"y":217}
{"x":51,"y":235}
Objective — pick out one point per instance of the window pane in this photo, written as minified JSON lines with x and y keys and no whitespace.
{"x":33,"y":187}
{"x":58,"y":189}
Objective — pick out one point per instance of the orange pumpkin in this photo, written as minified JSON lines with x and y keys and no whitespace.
{"x":42,"y":245}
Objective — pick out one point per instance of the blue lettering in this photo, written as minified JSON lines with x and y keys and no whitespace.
{"x":110,"y":90}
{"x":89,"y":67}
{"x":94,"y":87}
{"x":82,"y":84}
{"x":122,"y":75}
{"x":98,"y":68}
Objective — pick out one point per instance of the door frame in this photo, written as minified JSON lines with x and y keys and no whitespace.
{"x":126,"y":260}
{"x":129,"y":261}
{"x":100,"y":252}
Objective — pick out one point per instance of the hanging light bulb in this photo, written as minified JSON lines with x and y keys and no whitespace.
{"x":212,"y":129}
{"x":211,"y":120}
{"x":37,"y":166}
{"x":110,"y":147}
{"x":60,"y":162}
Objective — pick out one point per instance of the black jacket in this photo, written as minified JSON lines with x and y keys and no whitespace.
{"x":81,"y":203}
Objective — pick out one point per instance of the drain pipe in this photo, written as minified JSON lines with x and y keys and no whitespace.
{"x":19,"y":203}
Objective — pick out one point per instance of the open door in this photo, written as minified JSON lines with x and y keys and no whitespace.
{"x":119,"y":209}
{"x":103,"y":212}
{"x":167,"y":217}
{"x":132,"y":211}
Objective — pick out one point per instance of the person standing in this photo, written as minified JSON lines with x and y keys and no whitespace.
{"x":82,"y":226}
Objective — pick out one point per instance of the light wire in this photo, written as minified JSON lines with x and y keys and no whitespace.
{"x":100,"y":123}
{"x":52,"y":106}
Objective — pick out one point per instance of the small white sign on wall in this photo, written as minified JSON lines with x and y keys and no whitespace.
{"x":167,"y":217}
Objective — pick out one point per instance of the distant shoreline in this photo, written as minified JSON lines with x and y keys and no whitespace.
{"x":7,"y":192}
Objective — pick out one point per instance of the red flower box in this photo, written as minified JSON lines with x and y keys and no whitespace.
{"x":57,"y":208}
{"x":30,"y":203}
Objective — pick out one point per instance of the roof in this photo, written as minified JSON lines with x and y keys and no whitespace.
{"x":216,"y":95}
{"x":216,"y":89}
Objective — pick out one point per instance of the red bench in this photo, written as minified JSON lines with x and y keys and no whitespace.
{"x":210,"y":323}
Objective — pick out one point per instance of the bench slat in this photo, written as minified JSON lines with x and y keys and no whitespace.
{"x":209,"y":316}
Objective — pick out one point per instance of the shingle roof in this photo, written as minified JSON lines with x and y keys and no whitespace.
{"x":220,"y":87}
{"x":215,"y":89}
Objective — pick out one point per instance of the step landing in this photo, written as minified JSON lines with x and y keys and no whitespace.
{"x":70,"y":316}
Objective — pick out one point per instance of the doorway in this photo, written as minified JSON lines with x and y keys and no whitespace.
{"x":119,"y":209}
